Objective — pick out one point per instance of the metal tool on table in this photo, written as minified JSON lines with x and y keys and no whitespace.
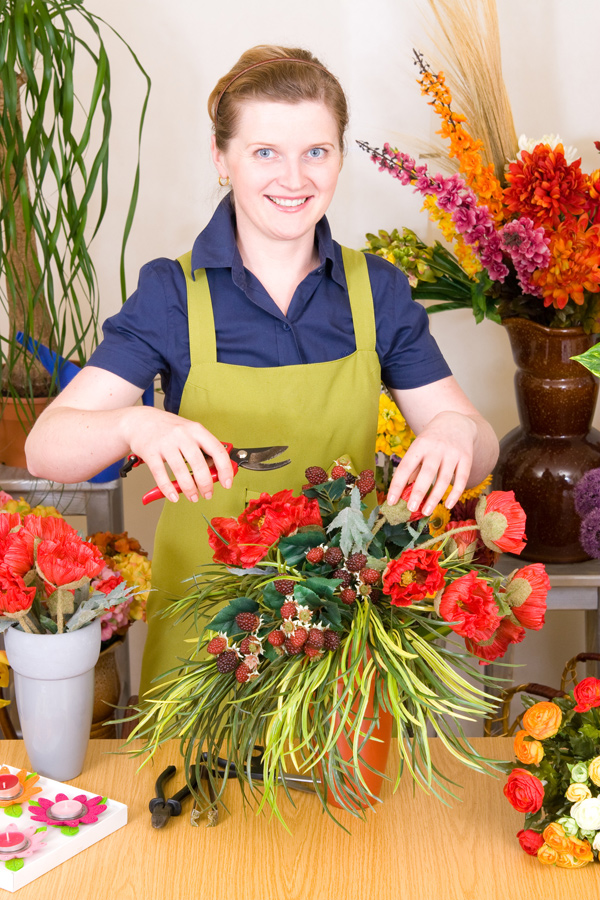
{"x":254,"y":458}
{"x":163,"y":808}
{"x":294,"y":781}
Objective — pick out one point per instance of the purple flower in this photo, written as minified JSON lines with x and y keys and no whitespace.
{"x":589,"y":534}
{"x":586,"y":494}
{"x":528,"y":248}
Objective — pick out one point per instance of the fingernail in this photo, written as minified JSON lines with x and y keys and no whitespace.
{"x":428,"y":510}
{"x":208,"y":495}
{"x":194,"y":498}
{"x":173,"y":496}
{"x":413,"y":506}
{"x":228,"y":482}
{"x":392,"y":499}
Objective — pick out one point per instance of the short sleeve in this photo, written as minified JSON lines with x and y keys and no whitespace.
{"x":409,"y":355}
{"x":136,"y":344}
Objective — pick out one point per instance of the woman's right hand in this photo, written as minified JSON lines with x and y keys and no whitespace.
{"x":161,"y":438}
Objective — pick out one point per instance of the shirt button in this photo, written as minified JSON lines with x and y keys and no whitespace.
{"x":286,"y":327}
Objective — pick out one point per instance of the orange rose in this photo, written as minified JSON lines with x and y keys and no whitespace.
{"x":547,"y":855}
{"x":555,"y":837}
{"x":529,"y":752}
{"x":568,"y":861}
{"x":581,"y":849}
{"x":542,"y":720}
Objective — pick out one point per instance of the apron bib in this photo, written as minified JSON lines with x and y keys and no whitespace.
{"x":320,"y":410}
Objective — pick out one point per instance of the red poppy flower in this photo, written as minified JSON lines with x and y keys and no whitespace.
{"x":18,"y":552}
{"x":587,"y":694}
{"x":469,"y":607}
{"x":8,"y":521}
{"x":413,"y":576}
{"x":65,"y":561}
{"x":502,"y":522}
{"x":465,"y":542}
{"x":14,"y":596}
{"x":524,"y":791}
{"x":49,"y":528}
{"x":526,"y":594}
{"x":108,"y":584}
{"x":506,"y":633}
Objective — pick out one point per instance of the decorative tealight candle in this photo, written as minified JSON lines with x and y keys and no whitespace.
{"x":10,"y":787}
{"x":66,"y":809}
{"x":12,"y":841}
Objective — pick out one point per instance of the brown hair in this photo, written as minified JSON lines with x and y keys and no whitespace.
{"x":280,"y":74}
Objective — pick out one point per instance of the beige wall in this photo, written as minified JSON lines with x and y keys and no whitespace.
{"x":550,"y":65}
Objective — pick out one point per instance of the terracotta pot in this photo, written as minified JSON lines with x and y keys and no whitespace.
{"x":543,"y":459}
{"x":374,"y":754}
{"x":14,"y":429}
{"x":107,"y":691}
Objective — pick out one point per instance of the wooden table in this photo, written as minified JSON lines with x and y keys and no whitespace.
{"x":413,"y":847}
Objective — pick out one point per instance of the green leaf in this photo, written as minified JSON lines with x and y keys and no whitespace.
{"x":271,"y":597}
{"x":590,"y":359}
{"x":355,"y":534}
{"x":323,"y":587}
{"x":306,"y":597}
{"x":225,"y":618}
{"x":69,"y":830}
{"x":41,"y":828}
{"x":13,"y":865}
{"x":14,"y":811}
{"x":331,"y":615}
{"x":49,"y":624}
{"x":293,"y":548}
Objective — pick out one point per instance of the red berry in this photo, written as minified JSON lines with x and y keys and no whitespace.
{"x":348,"y":596}
{"x":356,"y":562}
{"x":316,"y":475}
{"x":276,"y":638}
{"x":288,"y":610}
{"x":217,"y":645}
{"x":227,"y":661}
{"x":333,"y":556}
{"x":242,"y":673}
{"x":299,"y":637}
{"x":313,"y":652}
{"x":338,"y":472}
{"x":369,"y":576}
{"x":249,"y":644}
{"x":331,"y":640}
{"x":315,"y":555}
{"x":247,"y":621}
{"x":350,"y":478}
{"x":285,"y":586}
{"x":366,"y":482}
{"x":344,"y":576}
{"x":291,"y":648}
{"x":315,"y":638}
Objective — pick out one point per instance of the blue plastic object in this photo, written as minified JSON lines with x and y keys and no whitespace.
{"x":65,"y":373}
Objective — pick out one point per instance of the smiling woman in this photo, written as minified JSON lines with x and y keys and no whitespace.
{"x":266,"y":333}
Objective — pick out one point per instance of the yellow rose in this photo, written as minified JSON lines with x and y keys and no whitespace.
{"x":577,"y":791}
{"x":542,"y":720}
{"x":555,"y":837}
{"x":594,"y":770}
{"x":547,"y":855}
{"x":567,"y":861}
{"x":529,"y":752}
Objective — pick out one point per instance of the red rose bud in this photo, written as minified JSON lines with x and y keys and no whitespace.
{"x":530,"y":841}
{"x":524,"y":791}
{"x":501,"y":522}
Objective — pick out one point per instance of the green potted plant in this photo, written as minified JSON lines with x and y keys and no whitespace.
{"x":54,"y":154}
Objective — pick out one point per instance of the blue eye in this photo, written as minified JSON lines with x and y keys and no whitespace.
{"x":264,"y":153}
{"x":316,"y":153}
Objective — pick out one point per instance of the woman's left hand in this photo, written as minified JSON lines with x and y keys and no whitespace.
{"x":454,"y":446}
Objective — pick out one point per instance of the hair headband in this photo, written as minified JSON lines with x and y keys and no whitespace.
{"x":264,"y":62}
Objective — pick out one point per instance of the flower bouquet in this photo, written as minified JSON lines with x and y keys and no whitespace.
{"x":557,"y":782}
{"x":125,"y":563}
{"x":46,"y":570}
{"x":328,"y":631}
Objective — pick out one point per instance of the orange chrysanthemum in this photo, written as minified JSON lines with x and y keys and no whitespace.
{"x":28,"y":785}
{"x":544,"y":186}
{"x":574,"y":264}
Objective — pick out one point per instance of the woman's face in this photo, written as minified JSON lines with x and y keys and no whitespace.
{"x":283,"y":163}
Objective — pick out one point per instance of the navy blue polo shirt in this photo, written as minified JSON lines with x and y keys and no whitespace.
{"x":149,"y":335}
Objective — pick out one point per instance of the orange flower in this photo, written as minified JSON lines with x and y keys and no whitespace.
{"x":526,"y":593}
{"x":581,"y":849}
{"x":501,"y":521}
{"x":527,"y":751}
{"x":569,"y":861}
{"x":28,"y":785}
{"x":555,"y":837}
{"x":574,"y":264}
{"x":542,"y":185}
{"x":547,"y":855}
{"x":542,"y":720}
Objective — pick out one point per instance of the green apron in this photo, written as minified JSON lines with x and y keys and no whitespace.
{"x":320,"y":410}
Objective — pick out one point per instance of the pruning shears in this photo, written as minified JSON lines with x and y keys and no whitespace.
{"x":247,"y":457}
{"x":291,"y":780}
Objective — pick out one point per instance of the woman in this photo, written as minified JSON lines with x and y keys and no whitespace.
{"x":266,"y":333}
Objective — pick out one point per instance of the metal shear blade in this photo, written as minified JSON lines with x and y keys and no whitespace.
{"x":254,"y":457}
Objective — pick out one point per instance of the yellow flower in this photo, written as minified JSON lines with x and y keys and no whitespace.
{"x":594,"y":770}
{"x":547,"y":855}
{"x":393,"y":434}
{"x":567,"y":861}
{"x":137,"y":572}
{"x":439,"y":519}
{"x":476,"y":491}
{"x":577,"y":791}
{"x":4,"y":675}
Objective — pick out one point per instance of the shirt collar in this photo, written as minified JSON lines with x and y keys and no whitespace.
{"x":215,"y":246}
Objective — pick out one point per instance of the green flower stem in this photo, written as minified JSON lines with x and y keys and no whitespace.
{"x":447,"y":534}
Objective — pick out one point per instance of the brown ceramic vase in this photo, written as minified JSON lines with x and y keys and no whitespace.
{"x":543,"y":459}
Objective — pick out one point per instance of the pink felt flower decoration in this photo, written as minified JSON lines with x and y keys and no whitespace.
{"x":36,"y":841}
{"x":93,"y":808}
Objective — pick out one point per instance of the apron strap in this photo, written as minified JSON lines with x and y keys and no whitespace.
{"x":361,"y":298}
{"x":203,"y":341}
{"x":201,"y":321}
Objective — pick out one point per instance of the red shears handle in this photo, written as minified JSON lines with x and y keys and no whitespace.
{"x":156,"y":493}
